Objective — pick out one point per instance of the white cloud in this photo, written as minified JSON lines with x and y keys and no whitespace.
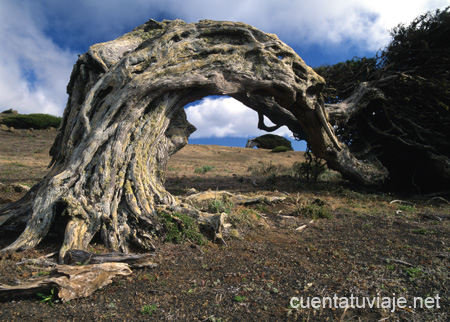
{"x":226,"y":117}
{"x":34,"y":72}
{"x":363,"y":23}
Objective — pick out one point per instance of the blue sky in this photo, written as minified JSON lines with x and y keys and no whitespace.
{"x":40,"y":41}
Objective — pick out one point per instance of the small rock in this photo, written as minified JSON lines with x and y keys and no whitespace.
{"x":234,"y":233}
{"x":191,"y":191}
{"x":20,"y":187}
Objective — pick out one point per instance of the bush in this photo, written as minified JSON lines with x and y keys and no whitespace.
{"x":268,"y":169}
{"x":316,"y":211}
{"x":32,"y":121}
{"x":204,"y":169}
{"x":10,"y":111}
{"x":179,"y":228}
{"x":309,"y":171}
{"x":279,"y":149}
{"x":271,"y":141}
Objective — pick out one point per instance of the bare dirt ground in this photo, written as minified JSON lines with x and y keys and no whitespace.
{"x":355,"y":245}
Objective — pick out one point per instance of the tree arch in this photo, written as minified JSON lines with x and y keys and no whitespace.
{"x":124,"y":118}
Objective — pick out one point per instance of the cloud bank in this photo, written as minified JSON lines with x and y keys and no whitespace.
{"x":34,"y":71}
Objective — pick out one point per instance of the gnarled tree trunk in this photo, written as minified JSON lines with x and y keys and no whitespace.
{"x":125,"y":117}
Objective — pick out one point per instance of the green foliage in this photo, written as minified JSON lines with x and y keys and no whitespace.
{"x":280,"y":148}
{"x":148,"y":309}
{"x":407,"y":208}
{"x":204,"y":169}
{"x":316,"y":211}
{"x":42,"y":273}
{"x":220,"y":205}
{"x":311,"y":169}
{"x":423,"y":231}
{"x":422,"y":46}
{"x":342,"y":78}
{"x":50,"y":299}
{"x":414,"y":272}
{"x":405,"y":119}
{"x":32,"y":121}
{"x":271,"y":141}
{"x":179,"y":228}
{"x":239,"y":298}
{"x":10,"y":111}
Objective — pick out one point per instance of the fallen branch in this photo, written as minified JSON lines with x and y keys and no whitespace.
{"x":72,"y":281}
{"x":398,"y":261}
{"x":40,"y":261}
{"x":93,"y":272}
{"x":77,"y":256}
{"x":301,"y":228}
{"x":234,"y":198}
{"x":402,"y":202}
{"x":443,"y":255}
{"x":438,"y":198}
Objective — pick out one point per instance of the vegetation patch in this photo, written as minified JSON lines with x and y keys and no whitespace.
{"x":218,"y":206}
{"x":316,"y":209}
{"x":50,"y":299}
{"x":32,"y":121}
{"x":204,"y":169}
{"x":180,"y":228}
{"x":148,"y":309}
{"x":280,"y":148}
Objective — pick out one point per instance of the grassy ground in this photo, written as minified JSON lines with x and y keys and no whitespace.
{"x":329,"y":240}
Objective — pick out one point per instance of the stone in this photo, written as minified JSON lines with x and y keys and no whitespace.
{"x":191,"y":191}
{"x":234,"y":233}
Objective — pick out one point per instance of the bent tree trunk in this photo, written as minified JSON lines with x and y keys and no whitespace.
{"x":125,"y":117}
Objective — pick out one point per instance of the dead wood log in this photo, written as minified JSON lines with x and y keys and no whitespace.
{"x":72,"y":281}
{"x":77,"y":256}
{"x":92,"y":272}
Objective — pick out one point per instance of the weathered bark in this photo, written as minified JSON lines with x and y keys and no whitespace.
{"x":125,"y":117}
{"x":71,"y":281}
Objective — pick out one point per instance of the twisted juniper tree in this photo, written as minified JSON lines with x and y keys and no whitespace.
{"x":125,"y":117}
{"x":396,"y":107}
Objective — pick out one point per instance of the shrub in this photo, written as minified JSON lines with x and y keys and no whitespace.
{"x":204,"y":169}
{"x":149,"y":309}
{"x":34,"y":121}
{"x":179,"y":228}
{"x":10,"y":111}
{"x":271,"y":141}
{"x":311,"y":169}
{"x":280,"y":148}
{"x":268,"y":169}
{"x":218,"y":206}
{"x":316,"y":211}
